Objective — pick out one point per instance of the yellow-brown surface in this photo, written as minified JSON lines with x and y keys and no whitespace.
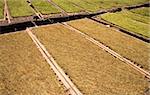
{"x":129,"y":47}
{"x":23,"y":71}
{"x":94,"y":71}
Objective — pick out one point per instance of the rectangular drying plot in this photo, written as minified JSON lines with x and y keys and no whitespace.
{"x":94,"y":71}
{"x":44,"y":6}
{"x":137,"y":17}
{"x":129,"y":21}
{"x":19,"y":8}
{"x":145,"y":11}
{"x":86,"y":5}
{"x":101,"y":4}
{"x":23,"y":70}
{"x":68,"y":6}
{"x":104,"y":4}
{"x":127,"y":46}
{"x":128,"y":2}
{"x":1,"y":9}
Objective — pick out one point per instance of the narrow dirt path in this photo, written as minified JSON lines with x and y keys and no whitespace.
{"x":58,"y":7}
{"x":113,"y":53}
{"x":7,"y":15}
{"x":70,"y":86}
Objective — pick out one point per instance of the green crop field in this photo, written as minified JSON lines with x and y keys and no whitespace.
{"x":94,"y":5}
{"x":123,"y":44}
{"x":136,"y":17}
{"x":130,"y":21}
{"x":94,"y":71}
{"x":19,"y":8}
{"x":67,"y":6}
{"x":104,"y":4}
{"x":23,"y":70}
{"x":130,"y":2}
{"x":1,"y":9}
{"x":44,"y":6}
{"x":142,"y":11}
{"x":85,"y":5}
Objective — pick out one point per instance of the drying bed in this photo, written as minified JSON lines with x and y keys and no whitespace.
{"x":44,"y":6}
{"x":85,"y":5}
{"x":23,"y":70}
{"x":137,"y":17}
{"x":106,"y":4}
{"x":94,"y":71}
{"x":1,"y":9}
{"x":19,"y":8}
{"x":129,"y":47}
{"x":129,"y":21}
{"x":145,"y":11}
{"x":67,"y":6}
{"x":95,"y":5}
{"x":118,"y":3}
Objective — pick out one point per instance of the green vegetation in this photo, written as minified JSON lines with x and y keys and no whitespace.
{"x":67,"y":6}
{"x":104,"y":4}
{"x":85,"y":5}
{"x":44,"y":6}
{"x":142,"y":11}
{"x":1,"y":9}
{"x":19,"y":8}
{"x":23,"y":70}
{"x":94,"y":71}
{"x":122,"y":43}
{"x":130,"y":21}
{"x":95,"y":5}
{"x":136,"y":17}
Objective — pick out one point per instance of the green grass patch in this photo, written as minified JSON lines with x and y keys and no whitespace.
{"x":85,"y":5}
{"x":95,"y":5}
{"x":104,"y":4}
{"x":44,"y":6}
{"x":128,"y":2}
{"x":136,"y":17}
{"x":1,"y":9}
{"x":142,"y":11}
{"x":19,"y":8}
{"x":67,"y":6}
{"x":129,"y":21}
{"x":122,"y":43}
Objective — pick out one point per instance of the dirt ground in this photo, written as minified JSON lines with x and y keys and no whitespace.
{"x":94,"y":71}
{"x":23,"y":71}
{"x":124,"y":44}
